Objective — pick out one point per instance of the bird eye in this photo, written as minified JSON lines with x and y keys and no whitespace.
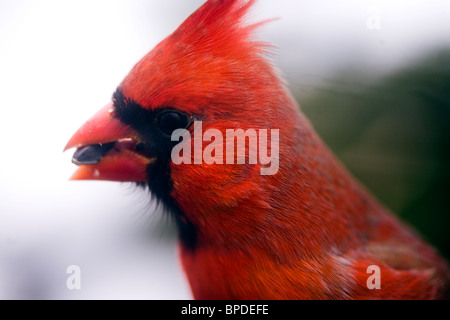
{"x":170,"y":121}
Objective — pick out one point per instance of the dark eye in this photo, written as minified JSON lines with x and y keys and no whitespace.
{"x":170,"y":121}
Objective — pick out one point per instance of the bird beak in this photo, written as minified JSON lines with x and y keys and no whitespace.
{"x":108,"y":150}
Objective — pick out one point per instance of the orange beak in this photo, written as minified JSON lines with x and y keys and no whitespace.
{"x":107,"y":150}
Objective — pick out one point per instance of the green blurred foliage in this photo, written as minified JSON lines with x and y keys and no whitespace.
{"x":393,"y":134}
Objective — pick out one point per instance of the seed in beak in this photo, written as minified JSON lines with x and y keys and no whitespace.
{"x":92,"y":154}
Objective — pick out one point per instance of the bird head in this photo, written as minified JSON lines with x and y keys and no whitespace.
{"x":209,"y":71}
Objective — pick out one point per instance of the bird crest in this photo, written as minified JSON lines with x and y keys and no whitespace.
{"x":210,"y":52}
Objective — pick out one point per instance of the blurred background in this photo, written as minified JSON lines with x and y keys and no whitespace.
{"x":373,"y":77}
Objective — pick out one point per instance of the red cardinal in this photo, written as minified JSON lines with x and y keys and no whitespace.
{"x":309,"y":231}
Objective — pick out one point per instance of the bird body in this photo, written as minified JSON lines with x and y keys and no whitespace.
{"x":310,"y":231}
